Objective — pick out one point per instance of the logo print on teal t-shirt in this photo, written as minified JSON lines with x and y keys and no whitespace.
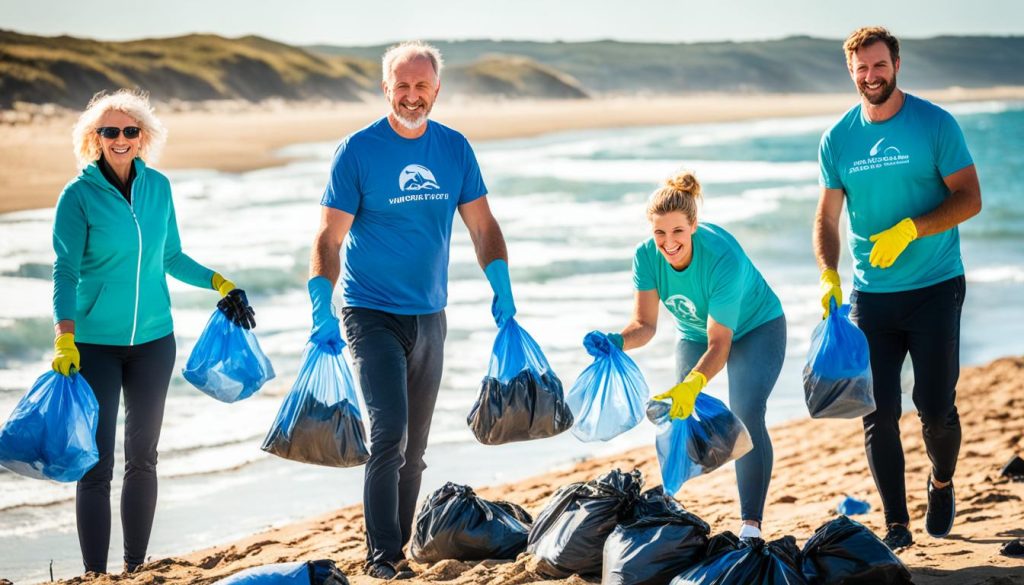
{"x":682,"y":307}
{"x":417,"y":178}
{"x":889,"y":150}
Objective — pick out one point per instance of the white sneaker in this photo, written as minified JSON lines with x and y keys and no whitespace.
{"x":749,"y":531}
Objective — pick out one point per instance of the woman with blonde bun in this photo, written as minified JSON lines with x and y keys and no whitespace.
{"x":726,"y":315}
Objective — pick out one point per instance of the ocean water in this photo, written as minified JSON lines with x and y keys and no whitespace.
{"x":571,"y":207}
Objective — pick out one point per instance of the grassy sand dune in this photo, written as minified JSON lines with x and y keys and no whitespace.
{"x":816,"y":463}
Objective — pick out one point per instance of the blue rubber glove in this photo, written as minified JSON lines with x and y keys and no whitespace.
{"x":503,"y":307}
{"x":599,"y":344}
{"x":326,"y":332}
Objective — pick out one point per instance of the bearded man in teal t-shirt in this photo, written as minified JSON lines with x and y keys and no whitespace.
{"x":902,"y":166}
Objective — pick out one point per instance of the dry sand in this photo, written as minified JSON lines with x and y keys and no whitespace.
{"x":36,"y":159}
{"x":816,"y":463}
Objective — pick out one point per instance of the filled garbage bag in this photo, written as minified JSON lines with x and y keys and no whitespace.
{"x":655,"y":543}
{"x":520,"y":397}
{"x":51,"y":434}
{"x":837,"y":375}
{"x":753,"y":561}
{"x":704,"y":441}
{"x":455,"y":523}
{"x":844,"y":552}
{"x":319,"y":421}
{"x":321,"y":572}
{"x":609,"y":396}
{"x":227,"y":362}
{"x":568,"y":536}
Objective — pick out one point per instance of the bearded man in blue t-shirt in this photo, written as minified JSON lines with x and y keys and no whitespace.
{"x":904,"y":171}
{"x":392,"y":195}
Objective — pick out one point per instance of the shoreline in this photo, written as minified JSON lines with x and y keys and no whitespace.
{"x":36,"y":159}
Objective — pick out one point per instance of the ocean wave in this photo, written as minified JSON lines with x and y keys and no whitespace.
{"x":996,"y":274}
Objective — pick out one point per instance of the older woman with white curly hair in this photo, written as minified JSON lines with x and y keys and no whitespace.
{"x":116,"y":238}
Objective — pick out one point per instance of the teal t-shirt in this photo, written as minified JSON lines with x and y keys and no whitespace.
{"x":891,"y":170}
{"x":720,"y":281}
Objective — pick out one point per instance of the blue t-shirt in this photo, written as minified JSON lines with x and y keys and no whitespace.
{"x":891,"y":170}
{"x":720,"y":281}
{"x":403,"y":194}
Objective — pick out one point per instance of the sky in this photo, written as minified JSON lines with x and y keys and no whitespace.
{"x":371,"y":22}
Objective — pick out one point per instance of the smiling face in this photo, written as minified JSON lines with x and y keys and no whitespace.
{"x":874,"y":72}
{"x":119,"y":151}
{"x":673,"y":234}
{"x":411,"y":89}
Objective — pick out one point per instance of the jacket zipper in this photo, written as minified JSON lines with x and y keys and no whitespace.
{"x":138,"y":265}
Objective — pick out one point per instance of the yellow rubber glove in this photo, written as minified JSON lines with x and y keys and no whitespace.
{"x":830,"y":289}
{"x":890,"y":243}
{"x":684,"y":394}
{"x":222,"y":285}
{"x":65,"y":354}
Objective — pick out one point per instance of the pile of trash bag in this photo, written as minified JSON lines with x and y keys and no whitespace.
{"x":704,"y":441}
{"x":319,"y":421}
{"x":227,"y":362}
{"x":843,"y":551}
{"x":569,"y":534}
{"x":51,"y":434}
{"x":751,"y":561}
{"x":837,"y":375}
{"x":455,"y":523}
{"x":520,"y":397}
{"x":322,"y":572}
{"x":655,"y":543}
{"x":609,"y":396}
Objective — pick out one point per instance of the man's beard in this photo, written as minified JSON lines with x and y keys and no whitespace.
{"x":885,"y":91}
{"x":414,"y":123}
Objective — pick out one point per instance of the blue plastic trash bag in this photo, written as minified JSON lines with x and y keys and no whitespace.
{"x":319,"y":421}
{"x":322,"y":572}
{"x":520,"y":397}
{"x":227,"y":362}
{"x":852,"y":506}
{"x":701,"y":443}
{"x":52,"y":432}
{"x":837,"y":376}
{"x":609,"y":396}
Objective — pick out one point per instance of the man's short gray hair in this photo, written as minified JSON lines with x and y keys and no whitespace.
{"x":410,"y":50}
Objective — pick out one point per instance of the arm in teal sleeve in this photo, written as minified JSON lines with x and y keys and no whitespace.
{"x":70,"y":231}
{"x":179,"y":264}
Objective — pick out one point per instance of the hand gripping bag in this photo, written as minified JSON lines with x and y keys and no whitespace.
{"x":844,"y":552}
{"x":322,"y":572}
{"x":658,"y":541}
{"x":837,"y":375}
{"x":609,"y":396}
{"x":753,"y":561}
{"x":227,"y":362}
{"x":455,"y":523}
{"x":51,"y":434}
{"x":520,"y":397}
{"x":701,"y":443}
{"x":568,"y":535}
{"x":319,"y":421}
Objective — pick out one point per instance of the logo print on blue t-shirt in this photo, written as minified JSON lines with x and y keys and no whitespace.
{"x":889,"y":150}
{"x":417,"y":178}
{"x":682,"y":307}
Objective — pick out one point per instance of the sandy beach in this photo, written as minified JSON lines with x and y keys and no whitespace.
{"x":816,"y":463}
{"x":36,"y":159}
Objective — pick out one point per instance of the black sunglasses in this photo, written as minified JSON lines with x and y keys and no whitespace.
{"x":112,"y":132}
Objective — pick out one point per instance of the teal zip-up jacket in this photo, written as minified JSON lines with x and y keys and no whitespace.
{"x":112,"y":258}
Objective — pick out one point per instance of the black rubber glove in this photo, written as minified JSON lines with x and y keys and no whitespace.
{"x":235,"y":307}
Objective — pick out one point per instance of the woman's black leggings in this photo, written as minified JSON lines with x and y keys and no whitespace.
{"x":144,"y":372}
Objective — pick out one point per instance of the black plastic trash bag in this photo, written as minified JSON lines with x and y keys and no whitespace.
{"x":321,"y":572}
{"x":568,"y":536}
{"x":520,"y":397}
{"x":837,"y":375}
{"x":319,"y":421}
{"x":658,"y":541}
{"x":455,"y":523}
{"x":754,"y":561}
{"x":844,"y":552}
